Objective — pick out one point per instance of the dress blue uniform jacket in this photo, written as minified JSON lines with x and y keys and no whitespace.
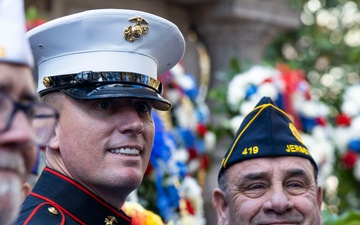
{"x":57,"y":199}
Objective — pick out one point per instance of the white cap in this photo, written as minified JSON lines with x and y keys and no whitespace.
{"x":14,"y":47}
{"x":114,"y":44}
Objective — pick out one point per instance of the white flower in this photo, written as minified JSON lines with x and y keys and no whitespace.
{"x":191,"y":191}
{"x":354,"y":129}
{"x":178,"y":71}
{"x":322,"y":150}
{"x":247,"y":106}
{"x":193,"y":166}
{"x":210,"y":141}
{"x":309,"y":109}
{"x":181,"y":78}
{"x":356,"y":170}
{"x":187,"y":82}
{"x":259,"y":74}
{"x":181,"y":154}
{"x":235,"y":123}
{"x":268,"y":89}
{"x":173,"y":96}
{"x":351,"y":105}
{"x":236,"y":92}
{"x":256,"y":75}
{"x":185,"y":114}
{"x":341,"y":138}
{"x":350,"y":108}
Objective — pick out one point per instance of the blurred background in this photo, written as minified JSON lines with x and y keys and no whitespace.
{"x":303,"y":53}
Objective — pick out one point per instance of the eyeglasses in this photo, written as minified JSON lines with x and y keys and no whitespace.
{"x":42,"y":118}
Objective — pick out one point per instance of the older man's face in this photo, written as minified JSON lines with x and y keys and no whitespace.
{"x":17,"y":152}
{"x":278,"y":190}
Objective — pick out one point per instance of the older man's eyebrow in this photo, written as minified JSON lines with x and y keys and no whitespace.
{"x":29,"y":97}
{"x":256,"y":176}
{"x":26,"y":95}
{"x":5,"y":87}
{"x":297,"y":173}
{"x":264,"y":175}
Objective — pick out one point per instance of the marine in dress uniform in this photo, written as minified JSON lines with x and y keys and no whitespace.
{"x":57,"y":199}
{"x":96,"y":54}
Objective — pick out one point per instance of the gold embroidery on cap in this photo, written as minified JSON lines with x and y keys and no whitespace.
{"x":52,"y":210}
{"x":2,"y":52}
{"x":132,"y":33}
{"x":47,"y":82}
{"x":110,"y":220}
{"x":295,"y":132}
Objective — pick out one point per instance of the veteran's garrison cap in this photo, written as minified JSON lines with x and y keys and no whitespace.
{"x":266,"y":131}
{"x":14,"y":47}
{"x":106,"y":53}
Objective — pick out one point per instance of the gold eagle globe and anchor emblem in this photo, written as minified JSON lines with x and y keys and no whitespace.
{"x":110,"y":220}
{"x":132,"y":33}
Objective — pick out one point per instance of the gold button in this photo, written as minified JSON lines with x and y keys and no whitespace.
{"x":47,"y":82}
{"x":52,"y":210}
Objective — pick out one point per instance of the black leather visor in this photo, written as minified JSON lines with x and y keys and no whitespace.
{"x":99,"y":85}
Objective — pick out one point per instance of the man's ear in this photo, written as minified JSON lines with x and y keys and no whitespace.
{"x":220,"y":205}
{"x":319,"y":201}
{"x":26,"y":189}
{"x":54,"y":140}
{"x":319,"y":197}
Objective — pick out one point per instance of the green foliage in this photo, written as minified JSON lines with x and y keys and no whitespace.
{"x":348,"y":188}
{"x":31,"y":13}
{"x":322,"y":47}
{"x":351,"y":217}
{"x":218,"y":94}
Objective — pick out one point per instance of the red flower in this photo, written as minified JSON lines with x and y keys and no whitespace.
{"x":190,"y":208}
{"x":268,"y":80}
{"x":343,"y":120}
{"x":204,"y":162}
{"x":201,"y":128}
{"x":321,"y":121}
{"x":307,"y":95}
{"x":349,"y":159}
{"x":149,"y":169}
{"x":192,"y":153}
{"x":30,"y":24}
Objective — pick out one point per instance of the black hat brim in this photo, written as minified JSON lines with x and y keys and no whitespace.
{"x":91,"y":92}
